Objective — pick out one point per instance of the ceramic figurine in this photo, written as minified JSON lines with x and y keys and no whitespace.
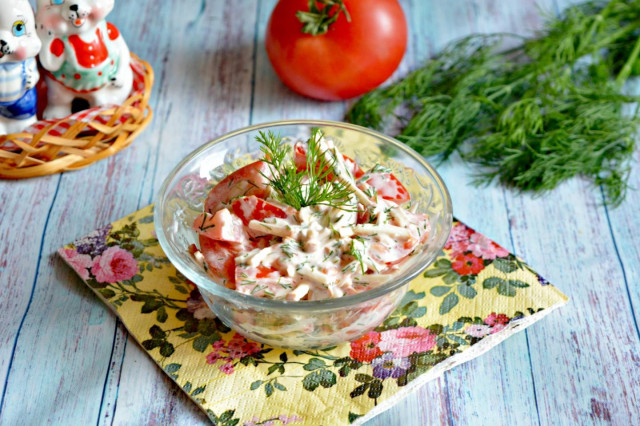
{"x":19,"y":45}
{"x":86,"y":58}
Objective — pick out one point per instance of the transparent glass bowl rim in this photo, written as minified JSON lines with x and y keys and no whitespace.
{"x":283,"y":305}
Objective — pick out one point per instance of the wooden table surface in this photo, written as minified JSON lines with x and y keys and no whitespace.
{"x":64,"y":359}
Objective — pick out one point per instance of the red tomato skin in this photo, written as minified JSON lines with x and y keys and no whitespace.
{"x":300,"y":160}
{"x":247,"y":180}
{"x":350,"y":59}
{"x":253,"y":208}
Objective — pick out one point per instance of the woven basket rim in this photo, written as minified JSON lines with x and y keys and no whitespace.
{"x":24,"y":155}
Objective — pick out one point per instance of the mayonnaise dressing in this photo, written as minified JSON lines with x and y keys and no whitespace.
{"x":321,"y":251}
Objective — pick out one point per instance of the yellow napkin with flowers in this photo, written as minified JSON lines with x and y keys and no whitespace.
{"x":475,"y":295}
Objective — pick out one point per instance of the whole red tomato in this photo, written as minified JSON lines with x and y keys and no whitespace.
{"x":359,"y":51}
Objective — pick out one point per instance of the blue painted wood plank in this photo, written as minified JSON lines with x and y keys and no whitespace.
{"x":205,"y":92}
{"x":23,"y":205}
{"x":584,"y":357}
{"x":507,"y":368}
{"x":586,"y":368}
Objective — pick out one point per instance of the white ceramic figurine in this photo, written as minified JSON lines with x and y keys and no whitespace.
{"x":19,"y":44}
{"x":87,"y":59}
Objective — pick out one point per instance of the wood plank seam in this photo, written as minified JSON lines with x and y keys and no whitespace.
{"x":526,"y":332}
{"x":152,"y":193}
{"x":254,"y":57}
{"x":139,"y":205}
{"x":33,"y":289}
{"x":624,"y":272}
{"x":449,"y":408}
{"x":106,"y":375}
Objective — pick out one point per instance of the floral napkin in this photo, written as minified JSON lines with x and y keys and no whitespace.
{"x":474,"y":296}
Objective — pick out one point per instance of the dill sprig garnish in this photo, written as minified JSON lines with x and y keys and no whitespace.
{"x":533,"y":116}
{"x":308,"y":187}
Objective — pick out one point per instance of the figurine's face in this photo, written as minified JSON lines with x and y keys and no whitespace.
{"x":71,"y":16}
{"x":18,"y":39}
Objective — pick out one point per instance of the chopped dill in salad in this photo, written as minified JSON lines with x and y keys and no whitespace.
{"x":307,"y":223}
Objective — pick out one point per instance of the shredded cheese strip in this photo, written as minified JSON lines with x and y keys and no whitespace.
{"x":341,"y":173}
{"x":370,"y":229}
{"x":277,"y":227}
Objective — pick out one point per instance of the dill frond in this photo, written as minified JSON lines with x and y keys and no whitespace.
{"x":550,"y":109}
{"x":308,"y":187}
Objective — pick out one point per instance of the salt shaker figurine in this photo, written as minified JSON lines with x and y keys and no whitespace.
{"x":19,"y":45}
{"x":86,"y":58}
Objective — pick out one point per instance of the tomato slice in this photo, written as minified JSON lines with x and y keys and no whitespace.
{"x":248,"y":180}
{"x":419,"y":230}
{"x":253,"y":208}
{"x":300,"y":160}
{"x":222,"y":226}
{"x":220,"y":259}
{"x":389,"y":187}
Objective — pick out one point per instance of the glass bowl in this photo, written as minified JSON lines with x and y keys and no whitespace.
{"x":301,"y":324}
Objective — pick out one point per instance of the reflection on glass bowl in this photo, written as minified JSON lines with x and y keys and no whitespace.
{"x":302,"y":324}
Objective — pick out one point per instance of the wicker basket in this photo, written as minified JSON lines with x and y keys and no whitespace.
{"x":80,"y":139}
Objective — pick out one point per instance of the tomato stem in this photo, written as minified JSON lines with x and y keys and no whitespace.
{"x":317,"y":20}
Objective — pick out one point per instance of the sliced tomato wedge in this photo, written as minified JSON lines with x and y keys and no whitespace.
{"x":300,"y":160}
{"x":220,"y":259}
{"x":253,"y":208}
{"x":389,"y":187}
{"x":419,"y":230}
{"x":248,"y":180}
{"x":222,"y":226}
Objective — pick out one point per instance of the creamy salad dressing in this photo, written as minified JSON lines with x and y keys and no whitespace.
{"x":324,"y":251}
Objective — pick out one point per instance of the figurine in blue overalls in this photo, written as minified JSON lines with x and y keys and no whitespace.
{"x":19,"y":44}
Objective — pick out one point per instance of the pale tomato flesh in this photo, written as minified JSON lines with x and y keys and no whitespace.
{"x":253,"y":208}
{"x":389,"y":187}
{"x":221,"y":226}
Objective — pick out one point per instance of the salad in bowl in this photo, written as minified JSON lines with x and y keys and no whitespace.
{"x":303,"y":234}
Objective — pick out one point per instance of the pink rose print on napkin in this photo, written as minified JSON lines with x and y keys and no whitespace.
{"x":458,"y":241}
{"x":492,"y":324}
{"x":497,"y":322}
{"x":477,"y":330}
{"x":79,"y":262}
{"x":113,"y":265}
{"x":236,"y":348}
{"x":407,"y":340}
{"x":483,"y":247}
{"x":463,"y":240}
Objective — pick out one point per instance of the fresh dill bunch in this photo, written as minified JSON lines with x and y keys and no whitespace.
{"x":308,"y":187}
{"x":532,"y":116}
